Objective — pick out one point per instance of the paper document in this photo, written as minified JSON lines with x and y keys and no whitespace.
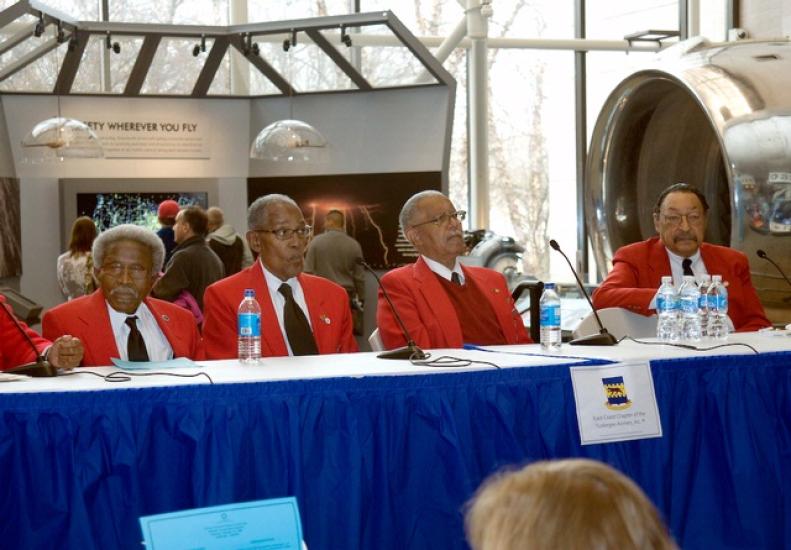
{"x":179,"y":362}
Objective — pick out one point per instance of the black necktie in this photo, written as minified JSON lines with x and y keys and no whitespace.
{"x":455,"y":279}
{"x":135,"y":345}
{"x":686,"y":265}
{"x":298,"y":332}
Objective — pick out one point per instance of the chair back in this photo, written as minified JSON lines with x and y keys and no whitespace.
{"x":619,"y":322}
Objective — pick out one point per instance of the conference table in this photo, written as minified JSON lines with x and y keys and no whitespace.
{"x":385,"y":454}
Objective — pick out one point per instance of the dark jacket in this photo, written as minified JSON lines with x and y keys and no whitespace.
{"x":193,"y":267}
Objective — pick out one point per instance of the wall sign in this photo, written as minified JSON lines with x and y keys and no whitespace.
{"x":152,"y":137}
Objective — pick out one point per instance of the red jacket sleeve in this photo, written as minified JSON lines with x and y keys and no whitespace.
{"x":620,"y":288}
{"x":15,"y":350}
{"x":219,"y":326}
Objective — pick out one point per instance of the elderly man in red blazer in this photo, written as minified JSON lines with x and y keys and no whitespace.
{"x":16,"y":349}
{"x":680,"y":218}
{"x":120,"y":319}
{"x":300,"y":314}
{"x":442,"y":303}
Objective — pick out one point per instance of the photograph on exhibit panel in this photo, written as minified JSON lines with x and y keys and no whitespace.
{"x":370,"y":202}
{"x":10,"y":229}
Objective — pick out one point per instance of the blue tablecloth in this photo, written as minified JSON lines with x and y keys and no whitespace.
{"x":389,"y":462}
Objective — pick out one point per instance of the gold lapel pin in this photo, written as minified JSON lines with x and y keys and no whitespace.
{"x":325,"y":319}
{"x":165,"y":318}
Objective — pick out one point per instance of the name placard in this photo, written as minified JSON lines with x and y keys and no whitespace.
{"x":272,"y":524}
{"x":615,"y":403}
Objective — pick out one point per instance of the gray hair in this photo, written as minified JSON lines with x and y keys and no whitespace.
{"x":129,"y":232}
{"x":410,"y":206}
{"x":258,"y":212}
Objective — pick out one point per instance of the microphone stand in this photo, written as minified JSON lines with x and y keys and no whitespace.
{"x":40,"y":368}
{"x":411,"y":350}
{"x":604,"y":338}
{"x":765,"y":256}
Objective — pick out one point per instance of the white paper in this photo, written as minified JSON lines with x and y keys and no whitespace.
{"x":615,"y":403}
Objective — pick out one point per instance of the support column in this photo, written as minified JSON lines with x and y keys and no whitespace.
{"x":478,"y":109}
{"x":240,"y":69}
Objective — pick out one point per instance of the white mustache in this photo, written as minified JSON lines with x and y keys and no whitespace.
{"x":124,"y":291}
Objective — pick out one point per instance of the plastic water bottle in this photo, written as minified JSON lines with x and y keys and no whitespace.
{"x":718,"y":309}
{"x":667,"y":312}
{"x":550,"y":318}
{"x":704,"y":282}
{"x":249,"y":329}
{"x":688,"y":297}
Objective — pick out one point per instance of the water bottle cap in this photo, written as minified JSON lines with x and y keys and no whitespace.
{"x":667,"y":279}
{"x":249,"y":293}
{"x":549,"y":286}
{"x":716,"y":278}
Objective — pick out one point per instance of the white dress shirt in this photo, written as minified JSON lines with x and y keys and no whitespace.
{"x":273,"y":283}
{"x":157,"y":344}
{"x":698,"y":267}
{"x":443,"y":271}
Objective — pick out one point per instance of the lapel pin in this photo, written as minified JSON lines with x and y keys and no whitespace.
{"x":325,"y":319}
{"x":496,"y":290}
{"x":165,"y":318}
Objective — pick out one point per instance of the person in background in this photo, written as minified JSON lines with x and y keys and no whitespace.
{"x":75,"y":266}
{"x":193,"y":266}
{"x":65,"y":352}
{"x":120,"y":319}
{"x":300,"y":314}
{"x":231,"y":247}
{"x":166,"y":214}
{"x":680,"y":219}
{"x":334,"y":255}
{"x":442,"y":303}
{"x":573,"y":503}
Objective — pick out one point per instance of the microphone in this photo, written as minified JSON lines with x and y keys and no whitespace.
{"x":765,"y":256}
{"x":40,"y":367}
{"x":410,"y":351}
{"x":604,"y":338}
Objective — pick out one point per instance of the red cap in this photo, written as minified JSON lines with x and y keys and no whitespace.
{"x":168,"y":209}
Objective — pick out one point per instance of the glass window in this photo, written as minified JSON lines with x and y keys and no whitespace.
{"x":174,"y":69}
{"x":614,"y":19}
{"x":531,"y":162}
{"x":90,"y":75}
{"x":713,"y":14}
{"x":182,"y":12}
{"x":38,"y":76}
{"x":296,"y":9}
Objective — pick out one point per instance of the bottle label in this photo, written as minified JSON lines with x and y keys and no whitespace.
{"x":689,"y":305}
{"x":665,"y":303}
{"x":550,"y":316}
{"x":250,"y":324}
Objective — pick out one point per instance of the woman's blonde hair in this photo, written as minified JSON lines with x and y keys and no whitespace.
{"x":574,"y":503}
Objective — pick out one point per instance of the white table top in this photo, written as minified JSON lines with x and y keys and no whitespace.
{"x":358,"y":365}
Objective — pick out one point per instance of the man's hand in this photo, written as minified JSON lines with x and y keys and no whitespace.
{"x":66,"y":352}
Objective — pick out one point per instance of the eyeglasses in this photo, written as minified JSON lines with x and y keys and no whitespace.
{"x":117,"y":269}
{"x":284,"y":234}
{"x":444,"y":219}
{"x":693,"y":218}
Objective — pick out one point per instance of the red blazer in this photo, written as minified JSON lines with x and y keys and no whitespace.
{"x":15,"y":350}
{"x":328,"y":307}
{"x":637,"y":271}
{"x":428,"y":313}
{"x":87,"y":319}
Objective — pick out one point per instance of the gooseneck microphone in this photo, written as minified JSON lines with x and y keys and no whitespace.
{"x":604,"y":338}
{"x":765,"y":256}
{"x":411,"y":350}
{"x":40,"y":367}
